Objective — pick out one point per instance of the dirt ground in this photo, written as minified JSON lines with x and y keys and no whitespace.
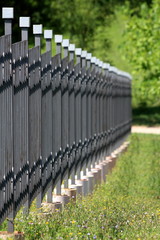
{"x":146,"y":129}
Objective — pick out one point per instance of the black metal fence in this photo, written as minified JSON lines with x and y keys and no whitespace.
{"x":59,"y":115}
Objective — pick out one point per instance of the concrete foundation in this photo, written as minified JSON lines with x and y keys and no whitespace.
{"x":64,"y":199}
{"x":99,"y":173}
{"x":15,"y":236}
{"x":51,"y":207}
{"x":95,"y":173}
{"x":78,"y":187}
{"x":102,"y":166}
{"x":90,"y":177}
{"x":71,"y":192}
{"x":84,"y":183}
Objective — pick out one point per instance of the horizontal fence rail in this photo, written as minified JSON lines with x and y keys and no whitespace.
{"x":60,"y":115}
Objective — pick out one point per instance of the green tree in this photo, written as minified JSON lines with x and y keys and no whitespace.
{"x":142,"y":48}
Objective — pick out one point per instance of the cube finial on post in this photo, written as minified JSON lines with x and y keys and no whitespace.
{"x":37,"y":31}
{"x":24,"y":23}
{"x":71,"y":51}
{"x":65,"y":45}
{"x":48,"y":34}
{"x":83,"y":56}
{"x":58,"y":41}
{"x":78,"y":52}
{"x":93,"y":62}
{"x":88,"y":58}
{"x":7,"y":15}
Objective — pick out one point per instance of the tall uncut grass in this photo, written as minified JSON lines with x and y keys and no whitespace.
{"x":127,"y":206}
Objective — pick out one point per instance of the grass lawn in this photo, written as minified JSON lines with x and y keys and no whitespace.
{"x":126,"y":207}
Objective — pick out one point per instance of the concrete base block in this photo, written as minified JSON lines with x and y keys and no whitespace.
{"x":58,"y":206}
{"x":64,"y":199}
{"x":84,"y":183}
{"x":105,"y":168}
{"x":114,"y":158}
{"x":103,"y":171}
{"x":90,"y":177}
{"x":71,"y":192}
{"x":8,"y":236}
{"x":98,"y":168}
{"x":109,"y":162}
{"x":117,"y":152}
{"x":78,"y":187}
{"x":95,"y":173}
{"x":51,"y":207}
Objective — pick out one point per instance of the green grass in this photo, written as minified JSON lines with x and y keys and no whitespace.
{"x":126,"y":207}
{"x":146,"y":116}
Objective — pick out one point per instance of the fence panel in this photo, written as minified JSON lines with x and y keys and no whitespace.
{"x":58,"y":118}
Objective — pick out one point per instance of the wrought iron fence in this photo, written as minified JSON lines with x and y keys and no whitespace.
{"x":59,"y":115}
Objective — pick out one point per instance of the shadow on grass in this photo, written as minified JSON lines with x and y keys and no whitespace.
{"x":146,"y":116}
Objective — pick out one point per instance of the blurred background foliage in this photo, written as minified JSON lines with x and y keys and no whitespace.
{"x":124,"y":33}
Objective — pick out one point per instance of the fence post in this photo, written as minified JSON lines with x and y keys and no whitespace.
{"x":8,"y":15}
{"x":100,"y":110}
{"x":105,"y":107}
{"x":48,"y":34}
{"x":89,"y":135}
{"x":58,"y":114}
{"x":37,"y":31}
{"x":65,"y":110}
{"x":93,"y":110}
{"x":84,"y":112}
{"x":110,"y":109}
{"x":24,"y":23}
{"x":78,"y":52}
{"x":72,"y":114}
{"x":71,"y":51}
{"x":97,"y":110}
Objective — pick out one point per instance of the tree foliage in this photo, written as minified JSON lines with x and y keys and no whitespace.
{"x":142,"y":48}
{"x":86,"y":23}
{"x":80,"y":20}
